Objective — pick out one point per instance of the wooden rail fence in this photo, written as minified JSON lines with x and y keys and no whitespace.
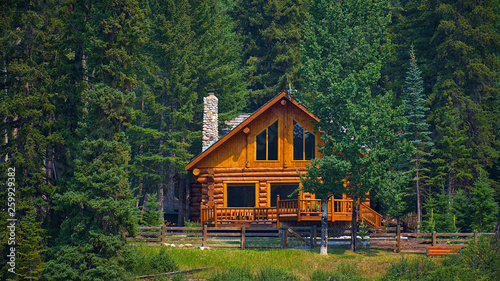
{"x":390,"y":238}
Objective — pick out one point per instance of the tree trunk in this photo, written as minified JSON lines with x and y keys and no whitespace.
{"x":419,"y":210}
{"x":324,"y":227}
{"x":354,"y":222}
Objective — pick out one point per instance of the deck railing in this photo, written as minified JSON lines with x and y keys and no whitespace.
{"x":298,"y":209}
{"x":218,"y":215}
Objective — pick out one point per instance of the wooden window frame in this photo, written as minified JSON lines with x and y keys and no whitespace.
{"x":256,"y":190}
{"x":267,"y":142}
{"x":281,"y":182}
{"x":303,"y":143}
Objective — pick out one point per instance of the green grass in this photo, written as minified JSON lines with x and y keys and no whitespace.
{"x":370,"y":263}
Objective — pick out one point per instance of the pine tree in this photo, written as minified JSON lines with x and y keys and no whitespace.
{"x":271,"y":33}
{"x":344,"y":45}
{"x":417,"y":128}
{"x":192,"y":50}
{"x":26,"y":117}
{"x":96,"y":207}
{"x":483,"y":206}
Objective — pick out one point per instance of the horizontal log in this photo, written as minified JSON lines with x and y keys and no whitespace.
{"x":149,"y":227}
{"x":224,"y":245}
{"x":149,"y":233}
{"x":183,"y":228}
{"x":277,"y":178}
{"x":249,"y":169}
{"x":183,"y":239}
{"x":143,"y":239}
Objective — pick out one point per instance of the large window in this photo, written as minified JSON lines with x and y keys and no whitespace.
{"x":303,"y":143}
{"x":283,"y":190}
{"x":240,"y":195}
{"x":267,"y":143}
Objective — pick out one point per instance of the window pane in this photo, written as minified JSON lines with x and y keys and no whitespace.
{"x":309,"y":145}
{"x":283,"y":190}
{"x":261,"y":146}
{"x":298,"y":142}
{"x":240,"y":195}
{"x":272,"y":138}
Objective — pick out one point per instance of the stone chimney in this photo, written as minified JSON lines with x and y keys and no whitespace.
{"x":210,"y":121}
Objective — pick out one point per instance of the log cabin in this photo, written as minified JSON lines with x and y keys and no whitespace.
{"x":250,"y":175}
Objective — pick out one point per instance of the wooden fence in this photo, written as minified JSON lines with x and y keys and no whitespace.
{"x":390,"y":238}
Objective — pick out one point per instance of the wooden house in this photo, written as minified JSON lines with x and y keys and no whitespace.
{"x":249,"y":175}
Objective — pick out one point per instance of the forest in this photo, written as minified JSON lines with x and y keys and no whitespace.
{"x":101,"y":107}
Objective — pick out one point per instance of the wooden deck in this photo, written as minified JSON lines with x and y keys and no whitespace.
{"x":289,"y":210}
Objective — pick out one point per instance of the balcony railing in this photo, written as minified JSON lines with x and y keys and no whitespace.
{"x":298,"y":209}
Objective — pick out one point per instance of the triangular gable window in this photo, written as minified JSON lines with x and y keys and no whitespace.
{"x":303,"y":143}
{"x":267,"y":143}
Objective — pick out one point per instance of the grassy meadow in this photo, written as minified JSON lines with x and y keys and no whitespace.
{"x":368,"y":263}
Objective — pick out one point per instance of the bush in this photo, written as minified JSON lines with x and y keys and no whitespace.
{"x":478,"y":261}
{"x":137,"y":263}
{"x":421,"y":268}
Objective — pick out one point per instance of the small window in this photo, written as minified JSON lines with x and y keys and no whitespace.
{"x":240,"y":195}
{"x":267,"y":143}
{"x":304,"y":143}
{"x":283,"y":190}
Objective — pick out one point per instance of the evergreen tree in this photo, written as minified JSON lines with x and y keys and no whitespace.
{"x":344,"y":46}
{"x":483,"y":206}
{"x":96,"y":206}
{"x":461,"y":211}
{"x":151,"y":215}
{"x":192,"y":50}
{"x":466,"y":85}
{"x":438,"y":216}
{"x":271,"y":33}
{"x":417,"y":129}
{"x":26,"y":117}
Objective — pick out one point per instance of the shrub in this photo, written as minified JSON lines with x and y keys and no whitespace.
{"x":411,"y":269}
{"x":137,"y":263}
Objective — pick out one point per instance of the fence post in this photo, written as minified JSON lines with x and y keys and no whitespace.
{"x":243,"y":231}
{"x":205,"y":232}
{"x":475,"y":236}
{"x":215,"y":215}
{"x":163,"y":233}
{"x":284,"y":237}
{"x":434,"y":242}
{"x":312,"y":237}
{"x":398,"y":239}
{"x":315,"y":234}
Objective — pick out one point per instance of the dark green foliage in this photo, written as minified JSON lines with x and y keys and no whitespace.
{"x":151,"y":215}
{"x":411,"y":269}
{"x":344,"y":46}
{"x":271,"y":32}
{"x":462,"y":211}
{"x":244,"y":274}
{"x":438,"y":216}
{"x":483,"y":206}
{"x":137,"y":263}
{"x":478,"y":261}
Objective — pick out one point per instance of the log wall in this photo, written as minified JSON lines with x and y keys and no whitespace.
{"x":208,"y":184}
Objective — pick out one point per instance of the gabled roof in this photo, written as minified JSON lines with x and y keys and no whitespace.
{"x":243,"y":124}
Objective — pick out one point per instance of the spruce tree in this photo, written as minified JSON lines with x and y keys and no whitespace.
{"x":192,"y":50}
{"x":344,"y":46}
{"x":96,"y":207}
{"x":26,"y":116}
{"x":271,"y":32}
{"x":417,"y":129}
{"x":483,"y":206}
